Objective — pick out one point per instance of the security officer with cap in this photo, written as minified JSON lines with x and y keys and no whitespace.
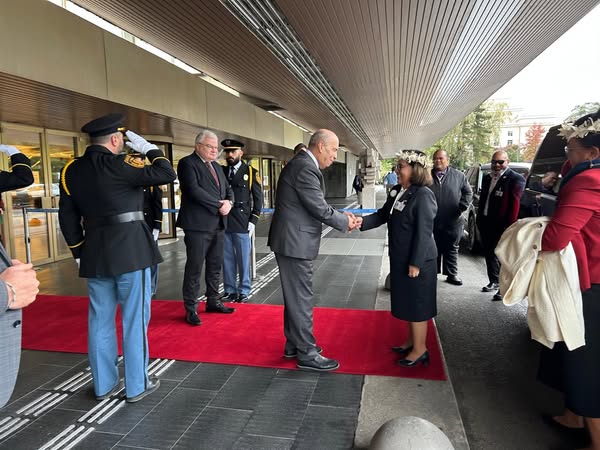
{"x":101,"y":217}
{"x":248,"y":195}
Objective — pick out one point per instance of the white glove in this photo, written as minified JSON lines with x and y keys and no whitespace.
{"x":77,"y":261}
{"x":9,"y":149}
{"x":250,"y":229}
{"x":138,"y":143}
{"x":155,"y":233}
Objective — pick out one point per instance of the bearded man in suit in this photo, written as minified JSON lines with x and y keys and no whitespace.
{"x":295,"y":236}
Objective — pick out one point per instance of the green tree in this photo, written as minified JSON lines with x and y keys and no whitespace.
{"x":470,"y":141}
{"x":582,"y":110}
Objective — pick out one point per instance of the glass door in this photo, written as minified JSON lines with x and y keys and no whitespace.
{"x":29,"y":141}
{"x":61,"y":149}
{"x":266,"y":182}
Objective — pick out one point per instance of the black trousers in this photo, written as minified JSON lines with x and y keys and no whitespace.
{"x":202,"y":246}
{"x":446,"y":241}
{"x":490,"y":235}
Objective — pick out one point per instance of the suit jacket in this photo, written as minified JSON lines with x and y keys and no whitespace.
{"x":98,"y":187}
{"x":504,"y":201}
{"x":200,"y":195}
{"x":248,"y":194}
{"x":300,"y":209}
{"x":410,"y":225}
{"x":10,"y":320}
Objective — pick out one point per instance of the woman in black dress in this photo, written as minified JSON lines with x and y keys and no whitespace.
{"x":409,"y":212}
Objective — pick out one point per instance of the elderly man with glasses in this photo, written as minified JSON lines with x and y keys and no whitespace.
{"x":498,"y":209}
{"x":206,"y":200}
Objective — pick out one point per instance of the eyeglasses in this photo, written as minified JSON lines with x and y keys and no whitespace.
{"x":498,"y":161}
{"x":210,"y":147}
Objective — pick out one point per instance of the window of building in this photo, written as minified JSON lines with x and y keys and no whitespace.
{"x":509,"y":142}
{"x":510,"y":133}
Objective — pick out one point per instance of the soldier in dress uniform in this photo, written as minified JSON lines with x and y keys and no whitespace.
{"x":248,"y":200}
{"x":101,"y":217}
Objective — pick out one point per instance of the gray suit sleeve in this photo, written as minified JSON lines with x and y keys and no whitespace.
{"x":466,"y":194}
{"x":308,"y":187}
{"x":3,"y":298}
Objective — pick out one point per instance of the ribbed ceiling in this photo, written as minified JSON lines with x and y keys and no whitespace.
{"x":407,"y":70}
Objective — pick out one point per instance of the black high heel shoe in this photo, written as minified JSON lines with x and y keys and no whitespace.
{"x":423,"y":359}
{"x":402,"y":350}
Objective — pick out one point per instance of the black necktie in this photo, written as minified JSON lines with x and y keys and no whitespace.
{"x":231,"y":173}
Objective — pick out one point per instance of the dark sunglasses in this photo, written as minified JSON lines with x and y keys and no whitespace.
{"x":498,"y":161}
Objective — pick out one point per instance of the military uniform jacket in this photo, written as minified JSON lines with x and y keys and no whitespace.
{"x":200,"y":195}
{"x":153,"y":207}
{"x":10,"y":319}
{"x":248,"y":198}
{"x":97,"y":187}
{"x":300,"y":210}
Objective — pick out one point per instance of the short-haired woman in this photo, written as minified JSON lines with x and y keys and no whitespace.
{"x":409,"y":212}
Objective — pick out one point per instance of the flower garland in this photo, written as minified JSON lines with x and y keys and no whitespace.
{"x":570,"y":131}
{"x":414,"y":156}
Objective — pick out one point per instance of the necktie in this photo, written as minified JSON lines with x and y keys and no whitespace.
{"x":213,"y":173}
{"x":231,"y":173}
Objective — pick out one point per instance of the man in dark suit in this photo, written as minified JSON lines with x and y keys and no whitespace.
{"x":295,"y":236}
{"x":101,"y":217}
{"x":18,"y":283}
{"x":247,"y":191}
{"x":498,"y":208}
{"x":206,"y":200}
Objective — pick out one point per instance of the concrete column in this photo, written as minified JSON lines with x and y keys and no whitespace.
{"x":369,"y":170}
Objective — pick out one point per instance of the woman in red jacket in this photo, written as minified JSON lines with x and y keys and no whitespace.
{"x":577,"y":220}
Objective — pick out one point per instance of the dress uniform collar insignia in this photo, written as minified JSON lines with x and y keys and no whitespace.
{"x":245,"y":177}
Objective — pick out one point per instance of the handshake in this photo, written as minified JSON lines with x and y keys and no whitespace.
{"x":353,"y":221}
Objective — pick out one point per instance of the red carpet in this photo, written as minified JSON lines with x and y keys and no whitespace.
{"x":252,"y":336}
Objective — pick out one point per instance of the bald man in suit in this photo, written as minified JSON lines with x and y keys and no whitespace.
{"x":295,"y":236}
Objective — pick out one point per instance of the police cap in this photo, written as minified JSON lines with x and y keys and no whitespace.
{"x":231,"y":145}
{"x":105,"y":125}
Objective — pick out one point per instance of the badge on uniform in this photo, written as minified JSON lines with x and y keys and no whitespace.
{"x":499,"y":193}
{"x":135,"y":161}
{"x":400,"y":205}
{"x":393,"y":193}
{"x":245,"y":177}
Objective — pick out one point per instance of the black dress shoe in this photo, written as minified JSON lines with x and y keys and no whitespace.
{"x":192,"y":317}
{"x":402,"y":350}
{"x":453,"y":279}
{"x":227,"y":297}
{"x":319,"y":363}
{"x":490,"y":287}
{"x":242,"y":298}
{"x":497,"y":297}
{"x":153,"y":385}
{"x":579,"y":436}
{"x":116,"y":388}
{"x":423,"y":359}
{"x":293,"y":353}
{"x":218,"y":307}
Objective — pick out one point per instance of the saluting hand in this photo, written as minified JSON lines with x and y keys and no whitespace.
{"x":138,"y":143}
{"x":9,"y":149}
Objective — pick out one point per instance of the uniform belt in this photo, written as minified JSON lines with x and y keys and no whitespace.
{"x":95,"y":222}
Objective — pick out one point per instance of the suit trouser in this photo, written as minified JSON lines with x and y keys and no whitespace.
{"x":490,"y":236}
{"x":236,"y":261}
{"x":132,"y":292}
{"x":359,"y":198}
{"x":153,"y":278}
{"x":202,"y":246}
{"x":296,"y":283}
{"x":446,"y":241}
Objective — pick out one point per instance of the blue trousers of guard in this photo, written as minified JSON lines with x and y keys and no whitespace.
{"x":236,"y":261}
{"x":132,"y":292}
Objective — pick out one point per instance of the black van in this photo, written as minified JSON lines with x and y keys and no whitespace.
{"x":544,"y":179}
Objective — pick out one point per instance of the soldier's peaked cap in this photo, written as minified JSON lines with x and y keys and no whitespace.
{"x":231,"y":144}
{"x":104,"y":125}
